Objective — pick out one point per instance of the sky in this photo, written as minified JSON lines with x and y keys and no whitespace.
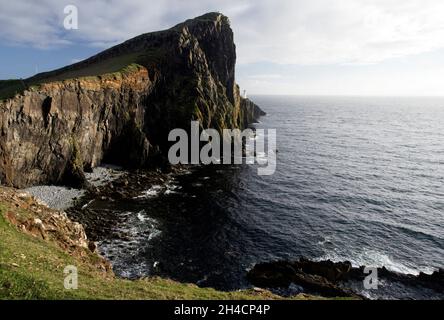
{"x":300,"y":47}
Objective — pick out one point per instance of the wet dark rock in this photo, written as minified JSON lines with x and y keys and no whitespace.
{"x":252,"y":112}
{"x":330,"y":270}
{"x":437,"y":277}
{"x":330,"y":278}
{"x":92,"y":246}
{"x":310,"y":275}
{"x":100,"y":223}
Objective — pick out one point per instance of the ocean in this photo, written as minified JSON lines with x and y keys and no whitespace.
{"x":358,"y":179}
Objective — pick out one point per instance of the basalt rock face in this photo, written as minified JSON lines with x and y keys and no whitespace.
{"x":52,"y":134}
{"x":73,"y":120}
{"x":250,"y":111}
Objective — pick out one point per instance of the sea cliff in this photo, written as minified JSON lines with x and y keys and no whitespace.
{"x":120,"y":105}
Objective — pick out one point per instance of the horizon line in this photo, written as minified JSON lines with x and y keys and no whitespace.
{"x":347,"y":95}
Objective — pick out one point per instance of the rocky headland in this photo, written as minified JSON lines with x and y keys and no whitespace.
{"x":119,"y":106}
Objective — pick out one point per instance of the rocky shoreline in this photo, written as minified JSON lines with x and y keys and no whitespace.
{"x":322,"y":278}
{"x":38,"y":242}
{"x":65,"y":126}
{"x":129,"y":185}
{"x":64,"y":197}
{"x":334,"y":279}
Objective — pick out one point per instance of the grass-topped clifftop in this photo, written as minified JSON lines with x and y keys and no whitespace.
{"x":117,"y":65}
{"x":148,"y":50}
{"x":9,"y":88}
{"x":122,"y":64}
{"x":31,"y":267}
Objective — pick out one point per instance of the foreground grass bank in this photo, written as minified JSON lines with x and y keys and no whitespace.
{"x":32,"y":263}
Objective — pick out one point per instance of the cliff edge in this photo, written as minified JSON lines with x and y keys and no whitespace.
{"x":119,"y":106}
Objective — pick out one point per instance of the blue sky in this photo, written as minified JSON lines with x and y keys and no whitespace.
{"x":354,"y":47}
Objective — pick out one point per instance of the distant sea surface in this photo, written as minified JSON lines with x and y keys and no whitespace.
{"x":358,"y":179}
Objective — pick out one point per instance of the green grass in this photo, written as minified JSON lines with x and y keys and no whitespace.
{"x":112,"y":66}
{"x":9,"y":88}
{"x":109,"y":66}
{"x":32,"y":268}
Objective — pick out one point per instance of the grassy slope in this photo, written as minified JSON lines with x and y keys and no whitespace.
{"x":111,"y":65}
{"x":9,"y":88}
{"x":31,"y":268}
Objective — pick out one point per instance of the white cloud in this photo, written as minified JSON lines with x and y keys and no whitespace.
{"x":347,"y":31}
{"x":281,"y":31}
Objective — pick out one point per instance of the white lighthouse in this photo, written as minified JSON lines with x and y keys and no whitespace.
{"x":245,"y":94}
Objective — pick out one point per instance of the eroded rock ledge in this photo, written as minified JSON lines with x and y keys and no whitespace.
{"x":36,"y":219}
{"x":74,"y":118}
{"x":330,"y":279}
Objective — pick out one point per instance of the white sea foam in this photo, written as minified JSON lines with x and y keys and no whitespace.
{"x":326,"y":240}
{"x":375,"y":259}
{"x":141,"y":216}
{"x":171,"y":188}
{"x":151,"y":192}
{"x":197,"y":184}
{"x":87,"y":205}
{"x":125,"y":251}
